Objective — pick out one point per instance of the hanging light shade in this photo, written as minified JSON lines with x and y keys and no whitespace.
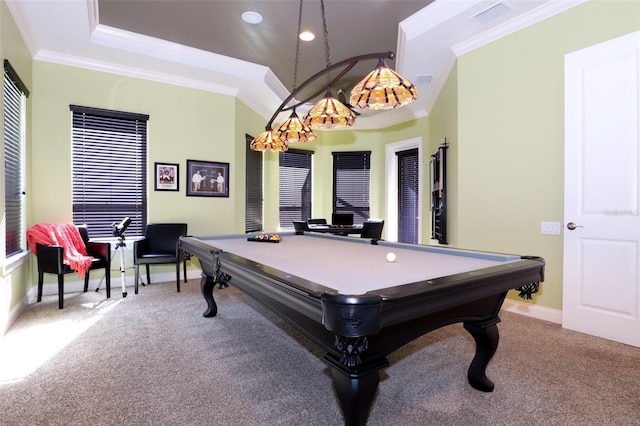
{"x":267,"y":142}
{"x":294,"y":130}
{"x":383,"y":89}
{"x":329,"y":113}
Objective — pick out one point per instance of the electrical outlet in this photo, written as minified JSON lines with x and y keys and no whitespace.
{"x":550,"y":228}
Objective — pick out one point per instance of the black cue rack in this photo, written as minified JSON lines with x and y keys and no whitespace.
{"x":438,"y":170}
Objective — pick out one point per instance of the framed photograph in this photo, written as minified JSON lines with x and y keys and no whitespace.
{"x":167,"y":177}
{"x":207,"y":179}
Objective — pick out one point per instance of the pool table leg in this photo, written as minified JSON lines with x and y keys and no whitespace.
{"x":206,"y":287}
{"x":355,"y":388}
{"x":485,"y":334}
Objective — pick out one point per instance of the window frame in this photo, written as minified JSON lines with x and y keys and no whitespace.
{"x":408,"y":192}
{"x":15,"y":94}
{"x":303,"y":160}
{"x":109,"y":162}
{"x":254,"y":188}
{"x":354,"y":161}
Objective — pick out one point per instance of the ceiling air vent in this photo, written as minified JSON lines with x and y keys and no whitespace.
{"x":492,"y":13}
{"x":423,"y":80}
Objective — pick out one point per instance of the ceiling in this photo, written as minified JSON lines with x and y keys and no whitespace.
{"x":216,"y":26}
{"x":205,"y":44}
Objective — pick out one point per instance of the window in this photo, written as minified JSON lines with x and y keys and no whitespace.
{"x":109,"y":169}
{"x":351,"y":184}
{"x":295,"y":186}
{"x":253,"y":221}
{"x":15,"y":106}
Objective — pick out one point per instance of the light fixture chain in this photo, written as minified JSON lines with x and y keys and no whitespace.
{"x":295,"y":66}
{"x":326,"y":34}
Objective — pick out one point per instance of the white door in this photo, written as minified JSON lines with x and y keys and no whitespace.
{"x":601,"y":283}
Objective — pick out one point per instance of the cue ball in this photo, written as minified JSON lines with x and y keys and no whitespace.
{"x":391,"y":257}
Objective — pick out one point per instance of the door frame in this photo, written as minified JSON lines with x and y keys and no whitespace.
{"x":391,"y":193}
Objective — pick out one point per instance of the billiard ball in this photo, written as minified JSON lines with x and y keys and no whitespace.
{"x":391,"y":257}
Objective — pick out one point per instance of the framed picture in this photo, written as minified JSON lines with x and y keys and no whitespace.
{"x":207,"y":179}
{"x":167,"y":177}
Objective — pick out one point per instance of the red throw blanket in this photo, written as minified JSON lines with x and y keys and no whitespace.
{"x":66,"y":236}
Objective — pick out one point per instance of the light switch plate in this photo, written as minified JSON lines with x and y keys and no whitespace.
{"x":550,"y":228}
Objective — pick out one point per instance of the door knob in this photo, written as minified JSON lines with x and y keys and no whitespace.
{"x":571,"y":226}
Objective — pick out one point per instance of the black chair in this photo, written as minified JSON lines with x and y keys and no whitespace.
{"x":159,"y":246}
{"x":50,"y":261}
{"x":300,"y":226}
{"x":372,"y":229}
{"x":316,"y":221}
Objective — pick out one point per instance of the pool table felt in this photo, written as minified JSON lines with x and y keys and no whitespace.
{"x":353,"y":266}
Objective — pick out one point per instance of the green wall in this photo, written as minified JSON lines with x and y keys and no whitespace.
{"x":510,"y":147}
{"x":443,"y":123}
{"x":183,"y":124}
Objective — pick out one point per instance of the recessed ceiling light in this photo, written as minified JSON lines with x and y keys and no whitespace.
{"x":252,"y":17}
{"x":307,"y":36}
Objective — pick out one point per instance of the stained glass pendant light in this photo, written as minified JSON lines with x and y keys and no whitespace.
{"x":383,"y":89}
{"x":266,"y":142}
{"x":329,"y":113}
{"x":293,"y":130}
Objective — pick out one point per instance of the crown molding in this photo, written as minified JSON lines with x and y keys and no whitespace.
{"x":93,"y":9}
{"x":536,"y":15}
{"x":434,"y":15}
{"x":111,"y":68}
{"x":115,"y":38}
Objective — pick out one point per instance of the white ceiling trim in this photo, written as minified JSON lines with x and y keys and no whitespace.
{"x":536,"y":15}
{"x":94,"y":14}
{"x":434,"y":15}
{"x":149,"y":46}
{"x":118,"y":69}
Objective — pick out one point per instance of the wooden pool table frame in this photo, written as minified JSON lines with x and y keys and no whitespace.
{"x":358,"y":332}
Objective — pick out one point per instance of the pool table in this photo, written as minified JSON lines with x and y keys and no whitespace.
{"x":358,"y":307}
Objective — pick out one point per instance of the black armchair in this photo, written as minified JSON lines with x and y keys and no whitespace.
{"x":300,"y":226}
{"x":372,"y":229}
{"x":50,"y":261}
{"x":159,"y":246}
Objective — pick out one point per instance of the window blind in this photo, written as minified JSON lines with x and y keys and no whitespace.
{"x":15,"y":103}
{"x":408,"y":175}
{"x":351,"y":184}
{"x":295,"y":186}
{"x":254,"y":198}
{"x":109,"y":169}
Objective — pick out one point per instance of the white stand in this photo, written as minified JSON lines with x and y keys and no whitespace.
{"x":123,"y":279}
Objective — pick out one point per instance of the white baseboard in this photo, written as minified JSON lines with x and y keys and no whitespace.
{"x":7,"y":320}
{"x":534,"y":311}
